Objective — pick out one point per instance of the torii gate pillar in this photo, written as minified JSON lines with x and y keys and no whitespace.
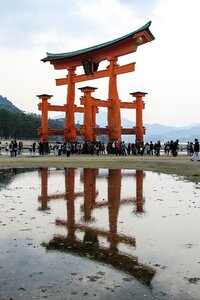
{"x":89,"y":121}
{"x":114,"y":117}
{"x":69,"y":128}
{"x":43,"y":130}
{"x":140,"y":105}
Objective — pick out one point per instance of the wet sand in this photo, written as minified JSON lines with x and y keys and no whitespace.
{"x":180,"y":165}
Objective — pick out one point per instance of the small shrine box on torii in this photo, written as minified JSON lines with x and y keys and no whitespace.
{"x":90,"y":59}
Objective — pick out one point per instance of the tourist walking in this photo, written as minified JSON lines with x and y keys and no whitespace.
{"x":196,"y":150}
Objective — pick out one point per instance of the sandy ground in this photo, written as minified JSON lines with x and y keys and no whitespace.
{"x":180,"y":165}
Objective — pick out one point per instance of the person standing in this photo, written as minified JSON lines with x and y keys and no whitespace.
{"x":7,"y":148}
{"x":20,"y":147}
{"x":15,"y":147}
{"x":123,"y":148}
{"x":151,"y":148}
{"x":11,"y":148}
{"x":157,"y":148}
{"x":68,"y":149}
{"x":196,"y":150}
{"x":33,"y":147}
{"x":41,"y":147}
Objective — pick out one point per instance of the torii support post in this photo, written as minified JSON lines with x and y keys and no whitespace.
{"x":114,"y":196}
{"x":88,"y":122}
{"x":140,"y":105}
{"x":44,"y":188}
{"x":139,"y":201}
{"x":43,"y":131}
{"x":114,"y":117}
{"x":89,"y":179}
{"x":95,"y":110}
{"x":69,"y":128}
{"x":70,"y":199}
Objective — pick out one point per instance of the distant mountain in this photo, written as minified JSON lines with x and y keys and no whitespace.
{"x":165,"y":133}
{"x":5,"y":103}
{"x":154,"y":132}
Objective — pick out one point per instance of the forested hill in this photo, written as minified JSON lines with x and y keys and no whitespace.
{"x":5,"y":103}
{"x":15,"y":123}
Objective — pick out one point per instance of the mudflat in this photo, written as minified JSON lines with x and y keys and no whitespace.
{"x":180,"y":165}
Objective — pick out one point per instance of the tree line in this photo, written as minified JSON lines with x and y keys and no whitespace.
{"x":14,"y":124}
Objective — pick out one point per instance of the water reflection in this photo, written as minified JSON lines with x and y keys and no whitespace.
{"x":89,"y":242}
{"x":103,"y":234}
{"x":7,"y":175}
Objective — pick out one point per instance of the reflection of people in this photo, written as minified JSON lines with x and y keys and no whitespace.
{"x":196,"y":150}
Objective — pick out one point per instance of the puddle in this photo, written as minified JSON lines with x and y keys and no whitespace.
{"x":98,"y":233}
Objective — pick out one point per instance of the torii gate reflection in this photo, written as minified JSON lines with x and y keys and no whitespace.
{"x":90,"y":245}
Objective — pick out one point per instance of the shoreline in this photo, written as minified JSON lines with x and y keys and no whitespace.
{"x":180,"y":165}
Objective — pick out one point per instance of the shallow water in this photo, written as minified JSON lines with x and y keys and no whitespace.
{"x":98,"y":234}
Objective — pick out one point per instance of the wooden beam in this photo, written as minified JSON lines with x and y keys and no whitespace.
{"x":101,"y":103}
{"x":124,"y":69}
{"x":98,"y":74}
{"x":79,"y":109}
{"x":128,"y":105}
{"x":63,"y":108}
{"x":97,"y":102}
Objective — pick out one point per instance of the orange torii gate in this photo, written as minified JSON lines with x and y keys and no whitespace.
{"x":90,"y":59}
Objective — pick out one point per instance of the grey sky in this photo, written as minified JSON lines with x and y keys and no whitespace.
{"x":167,"y":68}
{"x":21,"y":21}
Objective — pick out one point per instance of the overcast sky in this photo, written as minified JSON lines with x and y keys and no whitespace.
{"x":167,"y":68}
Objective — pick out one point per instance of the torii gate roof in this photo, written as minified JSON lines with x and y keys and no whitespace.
{"x":117,"y":47}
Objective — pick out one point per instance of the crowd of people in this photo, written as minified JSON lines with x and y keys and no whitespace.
{"x":14,"y":148}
